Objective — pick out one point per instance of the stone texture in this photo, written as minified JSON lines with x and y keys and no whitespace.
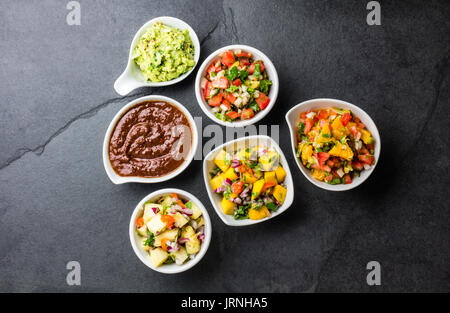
{"x":57,"y":204}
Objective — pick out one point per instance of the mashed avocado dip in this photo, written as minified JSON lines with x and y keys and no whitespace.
{"x":163,"y":53}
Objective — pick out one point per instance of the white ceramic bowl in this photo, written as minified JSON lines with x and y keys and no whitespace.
{"x":143,"y":255}
{"x":292,"y":119}
{"x":208,"y":165}
{"x":271,"y":72}
{"x":116,"y":178}
{"x":133,"y":78}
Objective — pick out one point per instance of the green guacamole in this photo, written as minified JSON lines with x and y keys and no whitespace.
{"x":164,"y":53}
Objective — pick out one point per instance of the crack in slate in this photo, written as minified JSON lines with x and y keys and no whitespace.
{"x":208,"y":35}
{"x":38,"y":150}
{"x":441,"y":71}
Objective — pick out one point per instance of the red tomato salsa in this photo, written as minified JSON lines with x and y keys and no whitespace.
{"x":236,"y":86}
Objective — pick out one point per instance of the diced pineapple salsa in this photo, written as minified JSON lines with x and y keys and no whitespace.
{"x":251,"y":182}
{"x":335,"y":144}
{"x":172,"y":230}
{"x":236,"y":86}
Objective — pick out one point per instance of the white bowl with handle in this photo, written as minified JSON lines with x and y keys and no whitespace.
{"x":133,"y":78}
{"x":208,"y":165}
{"x":292,"y":119}
{"x":144,"y":256}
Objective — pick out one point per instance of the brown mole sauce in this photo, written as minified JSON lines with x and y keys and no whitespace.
{"x":142,"y":142}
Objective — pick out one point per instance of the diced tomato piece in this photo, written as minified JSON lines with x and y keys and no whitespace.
{"x":323,"y":167}
{"x":207,"y":90}
{"x":241,"y":169}
{"x":244,"y":62}
{"x":309,"y":123}
{"x":262,"y":101}
{"x":365,"y":158}
{"x":346,"y":118}
{"x":237,"y":187}
{"x":323,"y":157}
{"x":251,"y":69}
{"x":247,"y":113}
{"x":237,"y":82}
{"x":243,"y":54}
{"x":164,"y":243}
{"x":226,"y":103}
{"x":233,"y":115}
{"x":228,"y":58}
{"x":330,"y":163}
{"x":230,"y":97}
{"x":267,"y":186}
{"x":216,"y":100}
{"x":221,"y":83}
{"x":322,"y":115}
{"x":328,"y":178}
{"x":364,"y":150}
{"x":210,"y":69}
{"x":347,"y":179}
{"x":357,"y":165}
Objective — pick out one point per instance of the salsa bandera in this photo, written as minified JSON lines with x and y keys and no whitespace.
{"x":236,"y":86}
{"x":334,"y":144}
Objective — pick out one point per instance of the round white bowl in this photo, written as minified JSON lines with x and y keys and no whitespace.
{"x":292,"y":119}
{"x":271,"y":72}
{"x":143,"y":255}
{"x":208,"y":165}
{"x":133,"y":78}
{"x":116,"y":178}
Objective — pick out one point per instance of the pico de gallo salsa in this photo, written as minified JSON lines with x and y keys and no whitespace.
{"x":236,"y":86}
{"x":334,"y":144}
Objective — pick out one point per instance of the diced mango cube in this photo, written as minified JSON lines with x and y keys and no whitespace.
{"x":342,"y":150}
{"x":255,"y":214}
{"x":280,"y":173}
{"x":270,"y":177}
{"x":279,"y":192}
{"x":223,"y":160}
{"x":227,"y":206}
{"x":257,"y":187}
{"x":366,"y":137}
{"x":318,"y":174}
{"x":230,"y":174}
{"x":217,"y":181}
{"x":338,"y":128}
{"x":249,"y":178}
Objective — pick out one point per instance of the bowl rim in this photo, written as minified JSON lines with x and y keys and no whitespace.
{"x":274,"y":89}
{"x":170,"y":21}
{"x":204,"y":247}
{"x":289,"y":183}
{"x":116,"y":178}
{"x":359,"y":112}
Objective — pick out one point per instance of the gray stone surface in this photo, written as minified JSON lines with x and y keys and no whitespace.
{"x":57,"y":204}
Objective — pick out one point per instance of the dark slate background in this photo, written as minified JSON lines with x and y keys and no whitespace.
{"x":57,"y":204}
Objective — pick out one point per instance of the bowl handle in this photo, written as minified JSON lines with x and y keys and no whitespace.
{"x":126,"y":83}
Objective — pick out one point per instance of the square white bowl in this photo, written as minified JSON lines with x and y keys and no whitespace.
{"x":292,"y":119}
{"x":208,"y":165}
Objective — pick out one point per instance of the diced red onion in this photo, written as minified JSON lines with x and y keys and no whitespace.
{"x":237,"y":200}
{"x":194,"y":224}
{"x":186,"y":211}
{"x":220,"y":189}
{"x":182,"y":240}
{"x":201,"y":237}
{"x":155,"y":210}
{"x":227,"y":181}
